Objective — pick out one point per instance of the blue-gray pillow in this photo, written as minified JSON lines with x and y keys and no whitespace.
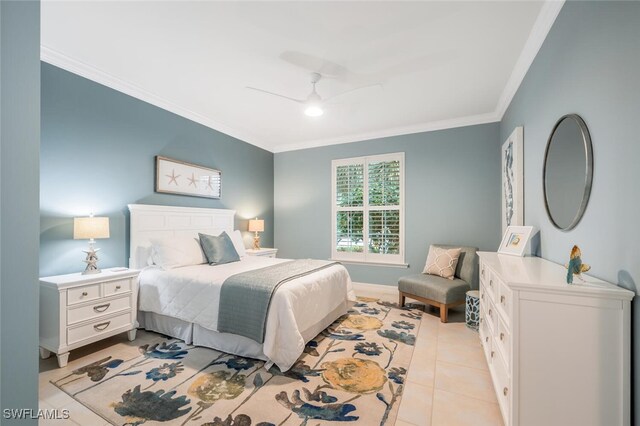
{"x":218,"y":249}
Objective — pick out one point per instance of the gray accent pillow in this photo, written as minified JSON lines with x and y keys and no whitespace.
{"x":218,"y":249}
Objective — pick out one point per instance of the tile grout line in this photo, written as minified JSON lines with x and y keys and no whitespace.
{"x":453,"y":392}
{"x":435,"y":368}
{"x":471,"y":397}
{"x":463,"y":366}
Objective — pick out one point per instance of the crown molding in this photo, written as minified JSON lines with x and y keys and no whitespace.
{"x":547,"y":16}
{"x":396,"y":131}
{"x":87,"y":71}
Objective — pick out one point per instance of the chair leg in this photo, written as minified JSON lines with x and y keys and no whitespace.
{"x":401,"y":299}
{"x":444,"y":311}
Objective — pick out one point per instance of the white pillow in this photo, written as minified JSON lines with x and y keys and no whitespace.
{"x":174,"y":252}
{"x":442,"y":262}
{"x":238,"y":243}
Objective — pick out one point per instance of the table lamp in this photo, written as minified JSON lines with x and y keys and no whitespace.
{"x":256,"y":225}
{"x":91,"y":228}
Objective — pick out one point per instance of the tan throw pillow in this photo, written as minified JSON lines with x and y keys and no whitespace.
{"x":442,"y":262}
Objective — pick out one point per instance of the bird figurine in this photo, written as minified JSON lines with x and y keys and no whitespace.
{"x":576,"y":267}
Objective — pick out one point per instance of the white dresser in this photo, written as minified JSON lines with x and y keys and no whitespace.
{"x":558,"y":354}
{"x":76,"y":310}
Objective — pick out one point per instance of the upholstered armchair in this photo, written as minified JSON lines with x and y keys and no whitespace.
{"x":442,"y":292}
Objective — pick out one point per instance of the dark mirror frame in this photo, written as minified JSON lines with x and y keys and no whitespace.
{"x":586,"y":142}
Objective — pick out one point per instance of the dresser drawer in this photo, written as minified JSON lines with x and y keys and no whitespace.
{"x":492,"y":286}
{"x":117,"y":287}
{"x":491,"y":317}
{"x":83,"y":294}
{"x":98,"y":327}
{"x":501,"y":383}
{"x":503,"y":341}
{"x":503,"y":301}
{"x":486,"y":340}
{"x":484,"y":272}
{"x":483,"y":294}
{"x":97,"y":309}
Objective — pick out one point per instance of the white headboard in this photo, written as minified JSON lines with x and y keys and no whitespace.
{"x":148,"y":221}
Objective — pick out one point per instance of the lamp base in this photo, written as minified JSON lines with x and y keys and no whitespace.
{"x":91,"y":261}
{"x":256,"y":242}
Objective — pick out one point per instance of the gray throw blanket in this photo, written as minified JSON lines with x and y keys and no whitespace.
{"x":245,"y":297}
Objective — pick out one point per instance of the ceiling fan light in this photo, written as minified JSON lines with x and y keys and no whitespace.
{"x":313,"y":111}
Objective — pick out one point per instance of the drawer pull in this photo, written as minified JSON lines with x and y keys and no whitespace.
{"x":481,"y":319}
{"x":505,"y":391}
{"x":501,"y":336}
{"x":502,"y":298}
{"x":490,"y":283}
{"x":486,"y":339}
{"x":490,"y":312}
{"x":482,"y":296}
{"x":101,"y":326}
{"x":84,"y":293}
{"x":483,"y":272}
{"x":101,"y":308}
{"x":492,"y":352}
{"x":118,"y":287}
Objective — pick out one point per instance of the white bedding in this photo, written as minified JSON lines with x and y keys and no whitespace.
{"x":192,"y":294}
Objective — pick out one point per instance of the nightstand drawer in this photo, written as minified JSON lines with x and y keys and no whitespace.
{"x":100,"y":308}
{"x":98,"y":327}
{"x":116,"y":287}
{"x":263,"y":252}
{"x":83,"y":294}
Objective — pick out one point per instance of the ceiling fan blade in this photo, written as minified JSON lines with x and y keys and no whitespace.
{"x":300,"y":101}
{"x":312,"y":63}
{"x":368,"y":86}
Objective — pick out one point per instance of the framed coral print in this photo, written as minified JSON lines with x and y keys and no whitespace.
{"x":513,"y":180}
{"x":179,"y":177}
{"x":515,"y":240}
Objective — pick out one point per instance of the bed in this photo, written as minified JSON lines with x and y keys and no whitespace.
{"x":183,"y":302}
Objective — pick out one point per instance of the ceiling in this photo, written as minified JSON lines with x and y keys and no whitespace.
{"x":440,"y":64}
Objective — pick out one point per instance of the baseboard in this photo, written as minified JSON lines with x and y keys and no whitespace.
{"x":378,"y":288}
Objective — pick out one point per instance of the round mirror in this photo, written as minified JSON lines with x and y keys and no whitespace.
{"x":568,"y":171}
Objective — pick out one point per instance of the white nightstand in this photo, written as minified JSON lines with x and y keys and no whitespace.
{"x":77,"y":309}
{"x":264,"y":252}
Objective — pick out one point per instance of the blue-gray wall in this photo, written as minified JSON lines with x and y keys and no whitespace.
{"x":98,"y":149}
{"x":19,"y":221}
{"x":589,"y":65}
{"x":452,"y":195}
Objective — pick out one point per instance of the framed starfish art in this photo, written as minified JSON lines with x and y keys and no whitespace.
{"x":179,"y":177}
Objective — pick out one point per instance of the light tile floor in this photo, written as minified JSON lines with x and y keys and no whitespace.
{"x":448,"y":382}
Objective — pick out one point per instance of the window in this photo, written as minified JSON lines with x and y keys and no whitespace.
{"x":367,"y":209}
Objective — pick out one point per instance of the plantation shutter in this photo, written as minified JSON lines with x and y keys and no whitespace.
{"x":350,"y":208}
{"x":367,"y":209}
{"x":384,"y":207}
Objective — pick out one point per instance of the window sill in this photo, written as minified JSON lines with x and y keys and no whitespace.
{"x":357,"y":262}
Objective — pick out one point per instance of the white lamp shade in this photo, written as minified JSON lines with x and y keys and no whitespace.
{"x":256,"y":225}
{"x":86,"y":228}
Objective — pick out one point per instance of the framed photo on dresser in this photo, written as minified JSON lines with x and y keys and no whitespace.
{"x":515,"y":240}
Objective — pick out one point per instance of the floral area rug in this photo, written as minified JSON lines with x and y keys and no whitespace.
{"x":354,"y":371}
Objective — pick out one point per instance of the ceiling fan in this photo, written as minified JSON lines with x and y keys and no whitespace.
{"x":314,"y":104}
